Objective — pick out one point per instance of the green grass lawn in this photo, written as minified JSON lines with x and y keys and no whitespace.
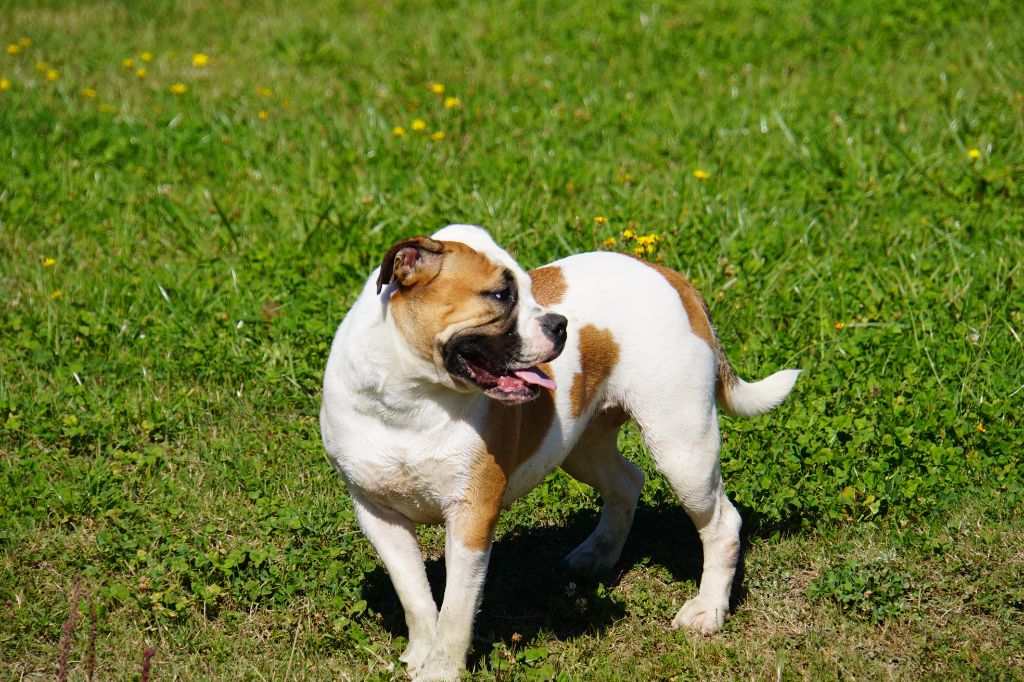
{"x":191,"y":195}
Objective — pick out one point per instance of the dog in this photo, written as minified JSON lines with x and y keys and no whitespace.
{"x":458,"y":381}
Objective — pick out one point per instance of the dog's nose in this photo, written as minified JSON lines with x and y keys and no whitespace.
{"x":554,"y":326}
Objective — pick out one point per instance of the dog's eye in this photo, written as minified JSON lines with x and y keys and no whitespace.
{"x":504,"y":295}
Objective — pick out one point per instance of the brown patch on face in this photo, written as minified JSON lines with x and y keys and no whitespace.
{"x":512,"y":434}
{"x":450,"y":300}
{"x":599,"y":353}
{"x":548,"y":285}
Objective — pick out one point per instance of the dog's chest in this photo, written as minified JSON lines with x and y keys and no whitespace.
{"x":417,"y":474}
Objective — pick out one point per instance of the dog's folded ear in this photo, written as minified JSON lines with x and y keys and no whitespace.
{"x":411,"y":261}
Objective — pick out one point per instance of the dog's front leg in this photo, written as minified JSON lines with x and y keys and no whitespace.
{"x":394,"y":538}
{"x":468,"y":535}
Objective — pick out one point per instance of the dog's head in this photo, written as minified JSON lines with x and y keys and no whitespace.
{"x":464,"y":305}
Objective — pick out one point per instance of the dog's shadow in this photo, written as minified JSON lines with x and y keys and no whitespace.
{"x":528,"y":590}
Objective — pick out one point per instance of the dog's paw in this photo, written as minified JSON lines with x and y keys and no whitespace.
{"x":414,"y":656}
{"x":435,"y":669}
{"x":702,"y":615}
{"x":590,"y":559}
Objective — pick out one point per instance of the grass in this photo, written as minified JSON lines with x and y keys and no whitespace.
{"x":173,"y":265}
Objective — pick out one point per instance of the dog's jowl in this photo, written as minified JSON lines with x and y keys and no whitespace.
{"x":458,"y":381}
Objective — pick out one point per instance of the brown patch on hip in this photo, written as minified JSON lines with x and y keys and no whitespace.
{"x":599,"y":353}
{"x":511,"y":435}
{"x":700,"y":322}
{"x":548,"y":285}
{"x":696,"y":308}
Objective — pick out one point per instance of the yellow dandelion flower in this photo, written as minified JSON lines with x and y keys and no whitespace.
{"x":570,"y":186}
{"x":141,"y":73}
{"x":628,"y":234}
{"x":438,"y":136}
{"x":701,"y":174}
{"x":980,"y":427}
{"x":56,"y":294}
{"x":52,"y":75}
{"x":89,"y":92}
{"x":263,"y":115}
{"x":4,"y":84}
{"x":41,"y":66}
{"x":146,"y":56}
{"x":840,"y":325}
{"x":200,"y":60}
{"x":13,"y":48}
{"x":974,"y":153}
{"x":264,"y":91}
{"x":419,"y":125}
{"x":626,"y":178}
{"x":437,"y":88}
{"x":609,"y":243}
{"x":452,"y":102}
{"x":600,"y":220}
{"x":179,"y":89}
{"x":398,"y":131}
{"x":48,"y":262}
{"x":25,"y":41}
{"x":128,"y":63}
{"x":638,"y":251}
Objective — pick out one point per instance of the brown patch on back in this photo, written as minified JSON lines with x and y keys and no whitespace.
{"x":423,"y":311}
{"x":548,"y":285}
{"x":599,"y":353}
{"x":512,"y":434}
{"x":700,"y":322}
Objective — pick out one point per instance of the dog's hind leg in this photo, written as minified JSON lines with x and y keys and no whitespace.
{"x":596,"y":461}
{"x":394,"y":538}
{"x":680,"y":428}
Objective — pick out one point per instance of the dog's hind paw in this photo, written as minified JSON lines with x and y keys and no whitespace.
{"x":590,"y":559}
{"x":701,"y":615}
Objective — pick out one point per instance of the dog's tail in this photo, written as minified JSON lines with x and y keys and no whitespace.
{"x":738,"y":397}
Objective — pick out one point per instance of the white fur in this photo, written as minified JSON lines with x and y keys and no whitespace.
{"x":405,"y":441}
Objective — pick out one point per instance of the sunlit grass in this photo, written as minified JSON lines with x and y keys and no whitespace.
{"x":191,"y":196}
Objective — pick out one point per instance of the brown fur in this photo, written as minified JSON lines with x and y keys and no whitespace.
{"x":513,"y":433}
{"x":599,"y":354}
{"x":700,"y":322}
{"x":430,"y":311}
{"x":548,"y":285}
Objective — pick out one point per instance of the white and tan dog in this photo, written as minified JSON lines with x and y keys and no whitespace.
{"x":440,"y":406}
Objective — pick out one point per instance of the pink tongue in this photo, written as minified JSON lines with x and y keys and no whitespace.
{"x":535,"y":376}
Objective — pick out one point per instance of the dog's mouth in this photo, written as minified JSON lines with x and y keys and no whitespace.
{"x":468,"y":360}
